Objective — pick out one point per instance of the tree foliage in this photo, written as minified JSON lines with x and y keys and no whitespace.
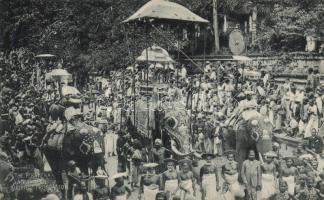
{"x":88,"y":34}
{"x":285,"y":27}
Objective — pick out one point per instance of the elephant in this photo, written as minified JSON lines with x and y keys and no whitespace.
{"x":83,"y":144}
{"x":176,"y":126}
{"x":250,"y":131}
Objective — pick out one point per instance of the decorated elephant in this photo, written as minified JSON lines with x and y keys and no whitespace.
{"x":176,"y":128}
{"x":65,"y":141}
{"x":250,"y":130}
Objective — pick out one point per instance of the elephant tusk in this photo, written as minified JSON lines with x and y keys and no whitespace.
{"x":256,"y":138}
{"x":197,"y":154}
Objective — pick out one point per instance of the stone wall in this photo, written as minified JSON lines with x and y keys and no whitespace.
{"x":299,"y":61}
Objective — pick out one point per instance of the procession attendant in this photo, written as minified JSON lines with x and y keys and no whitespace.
{"x":251,"y":176}
{"x":73,"y":175}
{"x":186,"y":181}
{"x":159,"y":153}
{"x":137,"y":158}
{"x":170,"y":178}
{"x":101,"y":192}
{"x":283,"y":192}
{"x":269,"y":173}
{"x":209,"y":178}
{"x":230,"y":175}
{"x":82,"y":193}
{"x":120,"y":191}
{"x":150,"y":182}
{"x":121,"y":157}
{"x":288,"y":173}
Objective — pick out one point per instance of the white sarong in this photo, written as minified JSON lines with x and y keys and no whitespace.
{"x":209,"y":183}
{"x":171,"y":187}
{"x":150,"y":192}
{"x":268,"y":186}
{"x":186,"y":191}
{"x":291,"y":184}
{"x":234,"y":186}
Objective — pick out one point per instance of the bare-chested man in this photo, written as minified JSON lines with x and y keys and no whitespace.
{"x":230,"y":175}
{"x":209,"y":178}
{"x":169,"y":178}
{"x":150,"y":182}
{"x":186,"y":181}
{"x":269,"y":174}
{"x":288,"y":173}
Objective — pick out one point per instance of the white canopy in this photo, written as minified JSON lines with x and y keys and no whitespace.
{"x":162,"y":9}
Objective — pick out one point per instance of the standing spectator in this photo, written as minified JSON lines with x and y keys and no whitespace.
{"x":315,"y":142}
{"x":312,"y":119}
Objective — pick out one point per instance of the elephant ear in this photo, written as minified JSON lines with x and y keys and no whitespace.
{"x":265,"y":128}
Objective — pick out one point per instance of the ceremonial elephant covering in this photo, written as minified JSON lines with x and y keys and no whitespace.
{"x":63,"y":142}
{"x":177,"y":125}
{"x":252,"y":131}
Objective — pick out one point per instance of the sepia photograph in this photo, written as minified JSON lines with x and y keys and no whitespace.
{"x":161,"y":99}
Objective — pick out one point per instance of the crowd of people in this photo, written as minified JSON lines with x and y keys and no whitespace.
{"x":211,"y":98}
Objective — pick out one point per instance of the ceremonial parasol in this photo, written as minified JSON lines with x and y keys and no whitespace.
{"x":69,"y":90}
{"x":155,"y":54}
{"x":162,"y":9}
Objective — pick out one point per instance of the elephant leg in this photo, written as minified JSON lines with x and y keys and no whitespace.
{"x":55,"y":162}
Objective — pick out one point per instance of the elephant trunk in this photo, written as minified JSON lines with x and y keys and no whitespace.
{"x":264,"y":145}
